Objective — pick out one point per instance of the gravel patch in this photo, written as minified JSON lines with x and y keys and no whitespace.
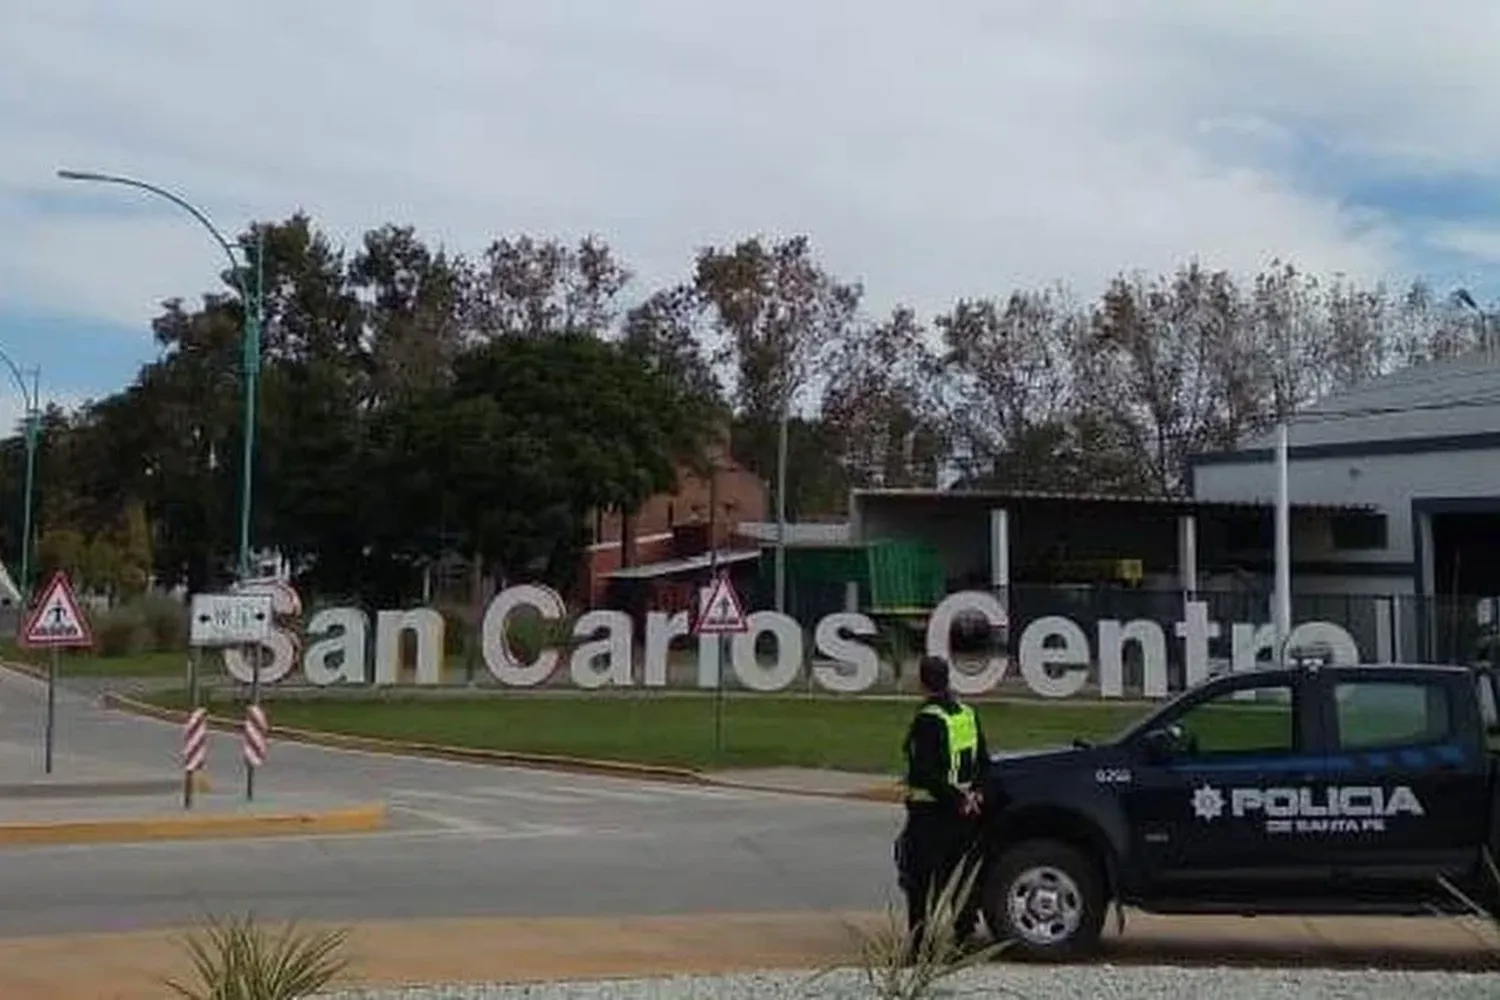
{"x":1093,"y":982}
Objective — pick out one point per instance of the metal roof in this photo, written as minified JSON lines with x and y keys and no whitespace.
{"x":1185,"y":505}
{"x":699,"y":562}
{"x":1458,"y":396}
{"x":807,"y":533}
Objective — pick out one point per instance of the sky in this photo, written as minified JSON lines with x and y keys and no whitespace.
{"x":931,"y":151}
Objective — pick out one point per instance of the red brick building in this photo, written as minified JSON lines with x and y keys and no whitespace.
{"x":674,"y":525}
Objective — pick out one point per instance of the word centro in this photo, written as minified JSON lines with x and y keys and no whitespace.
{"x":1054,"y":654}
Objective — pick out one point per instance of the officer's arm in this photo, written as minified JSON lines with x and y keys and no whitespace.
{"x":982,"y":763}
{"x":929,"y":760}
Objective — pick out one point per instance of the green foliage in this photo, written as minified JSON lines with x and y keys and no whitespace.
{"x":240,"y":960}
{"x":418,"y":404}
{"x":899,"y":966}
{"x":122,"y":631}
{"x":527,"y":635}
{"x":148,"y":624}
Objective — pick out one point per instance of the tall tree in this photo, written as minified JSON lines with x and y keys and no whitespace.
{"x":536,"y":288}
{"x":883,"y":407}
{"x":779,"y":316}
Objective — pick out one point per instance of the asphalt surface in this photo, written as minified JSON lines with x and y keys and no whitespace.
{"x":465,"y":840}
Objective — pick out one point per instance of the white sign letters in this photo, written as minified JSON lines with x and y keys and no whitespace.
{"x":1332,"y":809}
{"x":1054,"y":656}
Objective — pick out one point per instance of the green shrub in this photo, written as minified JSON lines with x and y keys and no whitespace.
{"x":122,"y":631}
{"x":167,"y":621}
{"x":528,"y":634}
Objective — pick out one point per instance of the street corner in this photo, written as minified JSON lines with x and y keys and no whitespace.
{"x":364,"y":817}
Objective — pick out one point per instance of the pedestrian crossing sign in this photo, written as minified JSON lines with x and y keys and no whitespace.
{"x":57,"y":619}
{"x":719,"y":610}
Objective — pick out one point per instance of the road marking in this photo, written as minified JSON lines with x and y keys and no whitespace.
{"x":520,"y":795}
{"x":444,"y":820}
{"x":594,"y":793}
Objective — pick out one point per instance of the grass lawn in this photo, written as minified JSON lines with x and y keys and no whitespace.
{"x":758,"y":731}
{"x":82,"y":663}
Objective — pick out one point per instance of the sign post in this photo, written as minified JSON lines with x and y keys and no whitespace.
{"x":241,"y":619}
{"x":194,"y":752}
{"x":720,"y":614}
{"x":55,"y":622}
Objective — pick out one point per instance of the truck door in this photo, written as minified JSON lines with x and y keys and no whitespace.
{"x":1210,"y":817}
{"x":1411,"y":775}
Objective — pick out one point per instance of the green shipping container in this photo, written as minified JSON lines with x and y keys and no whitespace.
{"x":905,"y":578}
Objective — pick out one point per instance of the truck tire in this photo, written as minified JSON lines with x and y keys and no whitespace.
{"x":1047,"y":899}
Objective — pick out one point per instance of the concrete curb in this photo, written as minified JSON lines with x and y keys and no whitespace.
{"x":578,"y":765}
{"x":43,"y":788}
{"x":366,"y":818}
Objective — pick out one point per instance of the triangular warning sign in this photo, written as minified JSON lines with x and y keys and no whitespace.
{"x":56,"y":620}
{"x":720,"y":611}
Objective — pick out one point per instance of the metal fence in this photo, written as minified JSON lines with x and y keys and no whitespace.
{"x":1387,"y":627}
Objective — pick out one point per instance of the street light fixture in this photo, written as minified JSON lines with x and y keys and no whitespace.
{"x":251,"y":299}
{"x":33,"y":428}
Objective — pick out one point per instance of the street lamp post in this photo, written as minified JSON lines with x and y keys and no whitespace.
{"x":251,"y":299}
{"x":33,"y":430}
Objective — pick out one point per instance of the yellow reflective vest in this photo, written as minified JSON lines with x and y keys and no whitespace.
{"x":962,"y":743}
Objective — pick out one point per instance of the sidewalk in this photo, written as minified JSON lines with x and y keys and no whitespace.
{"x":392,"y":954}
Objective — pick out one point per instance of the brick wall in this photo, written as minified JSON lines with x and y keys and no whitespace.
{"x":741,"y":497}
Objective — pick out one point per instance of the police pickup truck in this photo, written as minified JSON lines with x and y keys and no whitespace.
{"x":1308,"y":790}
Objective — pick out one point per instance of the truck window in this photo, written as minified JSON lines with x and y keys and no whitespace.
{"x":1261,"y":721}
{"x":1375,"y":715}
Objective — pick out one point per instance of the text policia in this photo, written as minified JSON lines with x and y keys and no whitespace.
{"x":1053,"y":653}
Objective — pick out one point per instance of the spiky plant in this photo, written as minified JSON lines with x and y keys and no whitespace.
{"x":237,"y":959}
{"x":1478,"y":910}
{"x":897,"y":967}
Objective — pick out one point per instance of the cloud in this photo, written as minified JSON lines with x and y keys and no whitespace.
{"x":1482,"y":242}
{"x":931,"y":150}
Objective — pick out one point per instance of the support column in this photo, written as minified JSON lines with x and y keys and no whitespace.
{"x":1000,"y":562}
{"x":1187,"y":556}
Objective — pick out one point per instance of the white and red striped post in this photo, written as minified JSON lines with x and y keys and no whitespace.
{"x":255,"y":742}
{"x":194,"y":752}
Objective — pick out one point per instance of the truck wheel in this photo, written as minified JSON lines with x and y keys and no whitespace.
{"x":1046,"y":898}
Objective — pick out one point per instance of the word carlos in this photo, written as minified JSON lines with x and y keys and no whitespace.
{"x":1053,"y":654}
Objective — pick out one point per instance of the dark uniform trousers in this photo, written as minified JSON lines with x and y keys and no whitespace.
{"x":932,"y":847}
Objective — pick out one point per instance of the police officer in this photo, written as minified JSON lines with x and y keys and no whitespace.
{"x":946,"y":764}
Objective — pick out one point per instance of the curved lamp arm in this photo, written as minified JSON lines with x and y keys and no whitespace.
{"x":28,"y":395}
{"x":182,"y":203}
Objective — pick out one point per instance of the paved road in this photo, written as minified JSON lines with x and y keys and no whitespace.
{"x":466,"y":840}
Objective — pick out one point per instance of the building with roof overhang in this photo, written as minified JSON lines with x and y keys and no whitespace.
{"x":1419,"y":450}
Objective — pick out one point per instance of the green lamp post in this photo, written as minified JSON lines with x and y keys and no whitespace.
{"x":251,"y":298}
{"x":33,"y":430}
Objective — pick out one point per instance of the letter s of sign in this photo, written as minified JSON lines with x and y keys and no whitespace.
{"x":283,"y":644}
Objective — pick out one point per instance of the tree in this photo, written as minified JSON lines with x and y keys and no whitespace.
{"x":533,"y":435}
{"x":413,"y":311}
{"x":535,"y":288}
{"x":882,"y":405}
{"x":779,"y":317}
{"x":1011,"y":385}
